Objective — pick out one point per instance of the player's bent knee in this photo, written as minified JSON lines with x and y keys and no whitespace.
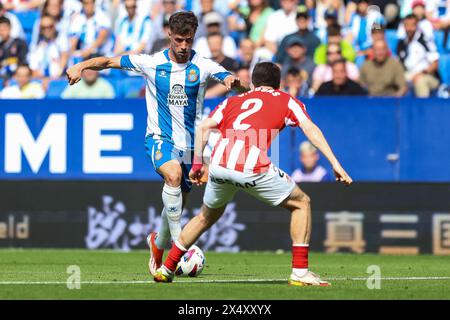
{"x":173,"y":179}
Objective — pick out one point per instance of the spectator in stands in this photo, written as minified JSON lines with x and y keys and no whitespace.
{"x":297,"y":57}
{"x":341,"y":85}
{"x":21,"y":5}
{"x":310,"y":170}
{"x":425,"y":25}
{"x":322,"y":6}
{"x":215,"y":43}
{"x":323,"y":73}
{"x":16,"y":26}
{"x":13,"y":51}
{"x":303,"y":34}
{"x":168,"y":8}
{"x":334,"y":37}
{"x":90,"y":32}
{"x":24,"y":88}
{"x":378,"y":34}
{"x":91,"y":86}
{"x":360,"y":28}
{"x":243,"y":73}
{"x":256,"y":15}
{"x":49,"y":58}
{"x":419,"y":57}
{"x":133,"y":33}
{"x":213,"y":22}
{"x":384,"y":75}
{"x":295,"y":82}
{"x":235,"y":21}
{"x":280,"y":23}
{"x":162,"y":43}
{"x":246,"y":52}
{"x":207,"y":6}
{"x":331,"y":18}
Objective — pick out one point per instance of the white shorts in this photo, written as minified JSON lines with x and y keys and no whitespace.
{"x":271,"y":187}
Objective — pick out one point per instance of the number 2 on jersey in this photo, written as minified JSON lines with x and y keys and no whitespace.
{"x":257,"y":105}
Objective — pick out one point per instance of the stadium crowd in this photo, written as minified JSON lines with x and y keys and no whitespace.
{"x":324,"y":47}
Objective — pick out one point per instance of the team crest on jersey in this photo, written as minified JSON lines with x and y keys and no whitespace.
{"x":177,"y":96}
{"x":163,"y":74}
{"x":192,"y":76}
{"x":158,"y":155}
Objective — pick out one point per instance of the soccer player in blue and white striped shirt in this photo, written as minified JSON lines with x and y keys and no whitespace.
{"x":175,"y":89}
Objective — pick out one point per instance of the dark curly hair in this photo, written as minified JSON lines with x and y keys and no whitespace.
{"x":183,"y":22}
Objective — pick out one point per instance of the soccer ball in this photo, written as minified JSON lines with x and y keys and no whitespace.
{"x":192,"y":263}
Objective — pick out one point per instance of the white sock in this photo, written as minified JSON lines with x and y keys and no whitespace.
{"x":173,"y":201}
{"x":163,"y":237}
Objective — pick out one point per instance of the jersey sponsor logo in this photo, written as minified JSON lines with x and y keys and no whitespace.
{"x":192,"y":76}
{"x":177,"y":96}
{"x":163,"y":74}
{"x":237,"y":184}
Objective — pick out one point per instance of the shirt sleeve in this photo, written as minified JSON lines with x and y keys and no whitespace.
{"x":140,"y":63}
{"x":217,"y":113}
{"x":296,"y":113}
{"x":216,"y":71}
{"x":271,"y":31}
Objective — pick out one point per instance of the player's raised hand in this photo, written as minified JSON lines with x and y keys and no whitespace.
{"x":342,"y":176}
{"x":196,"y":175}
{"x":74,"y":74}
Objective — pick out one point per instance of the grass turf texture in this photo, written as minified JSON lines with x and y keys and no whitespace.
{"x":27,"y":266}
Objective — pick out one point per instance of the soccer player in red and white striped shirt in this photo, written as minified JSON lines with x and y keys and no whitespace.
{"x":248,"y":124}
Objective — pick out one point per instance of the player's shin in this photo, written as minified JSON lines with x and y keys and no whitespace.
{"x":173,"y":201}
{"x":164,"y":232}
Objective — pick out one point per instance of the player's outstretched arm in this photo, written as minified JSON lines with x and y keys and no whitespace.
{"x":99,"y":63}
{"x":234,"y":83}
{"x":315,"y":135}
{"x":201,"y":139}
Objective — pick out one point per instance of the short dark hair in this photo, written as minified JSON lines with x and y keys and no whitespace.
{"x":5,"y":20}
{"x":214,"y":34}
{"x":334,"y":30}
{"x":339,"y":61}
{"x":411,"y":16}
{"x":266,"y":74}
{"x":293,"y":71}
{"x":183,"y":22}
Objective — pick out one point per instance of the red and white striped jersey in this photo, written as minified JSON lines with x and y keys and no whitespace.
{"x":248,"y":123}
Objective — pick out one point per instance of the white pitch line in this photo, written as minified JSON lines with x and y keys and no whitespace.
{"x":213,"y":281}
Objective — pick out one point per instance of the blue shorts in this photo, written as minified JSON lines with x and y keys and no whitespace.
{"x":160,"y":151}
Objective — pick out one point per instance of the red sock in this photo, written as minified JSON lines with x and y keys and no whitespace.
{"x":300,"y":256}
{"x":174,"y":257}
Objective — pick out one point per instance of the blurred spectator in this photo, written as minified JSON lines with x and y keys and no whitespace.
{"x":90,"y":32}
{"x":361,"y":25}
{"x":322,"y":6}
{"x":323,"y":73}
{"x":21,"y":5}
{"x":341,"y":85}
{"x":162,"y":43}
{"x":295,"y":82}
{"x":133,"y":33}
{"x":334,"y":37}
{"x":310,"y":170}
{"x":23,"y":88}
{"x":215,"y":44}
{"x":243,"y":73}
{"x":235,"y":21}
{"x":13,"y":51}
{"x":207,"y":6}
{"x":431,"y":8}
{"x":90,"y":87}
{"x":49,"y":57}
{"x":213,"y":22}
{"x":425,"y":25}
{"x":297,"y":57}
{"x":246,"y":52}
{"x":62,"y":11}
{"x":16,"y":26}
{"x":256,"y":15}
{"x":167,"y":9}
{"x":331,"y":18}
{"x":303,"y":34}
{"x":378,"y":34}
{"x":384,"y":75}
{"x":279,"y":24}
{"x":419,"y":57}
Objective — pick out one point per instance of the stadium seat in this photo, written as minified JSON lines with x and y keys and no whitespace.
{"x":392,"y":40}
{"x":132,"y":86}
{"x":444,"y":68}
{"x":56,"y":88}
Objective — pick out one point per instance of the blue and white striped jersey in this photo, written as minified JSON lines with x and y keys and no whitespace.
{"x":131,"y":34}
{"x":174,"y":93}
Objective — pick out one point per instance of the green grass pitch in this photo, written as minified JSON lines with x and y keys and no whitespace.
{"x":42,"y":274}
